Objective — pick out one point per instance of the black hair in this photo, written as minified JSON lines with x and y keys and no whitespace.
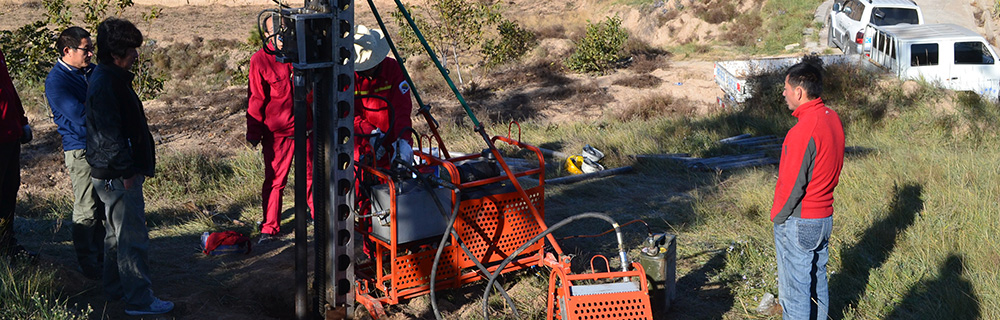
{"x":70,"y":38}
{"x":115,"y":37}
{"x":808,"y":74}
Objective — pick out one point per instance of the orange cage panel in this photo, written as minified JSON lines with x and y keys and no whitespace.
{"x":614,"y":300}
{"x":492,"y":227}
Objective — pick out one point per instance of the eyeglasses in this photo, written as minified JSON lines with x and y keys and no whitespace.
{"x":91,"y":49}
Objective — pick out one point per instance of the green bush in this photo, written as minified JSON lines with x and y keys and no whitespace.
{"x":601,"y":48}
{"x":513,"y":43}
{"x":29,"y":51}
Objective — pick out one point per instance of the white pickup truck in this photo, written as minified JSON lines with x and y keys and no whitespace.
{"x":952,"y":56}
{"x":732,"y":76}
{"x":847,"y":22}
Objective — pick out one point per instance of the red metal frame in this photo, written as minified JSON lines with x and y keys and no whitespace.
{"x":492,"y":227}
{"x":620,"y":305}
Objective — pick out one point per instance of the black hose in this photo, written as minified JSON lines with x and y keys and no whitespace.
{"x":450,"y":230}
{"x":493,"y":277}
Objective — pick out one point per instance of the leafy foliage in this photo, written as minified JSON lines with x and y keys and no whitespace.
{"x":601,"y":48}
{"x":513,"y":43}
{"x":29,"y":51}
{"x":451,"y":28}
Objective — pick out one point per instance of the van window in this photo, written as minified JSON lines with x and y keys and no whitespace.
{"x":894,"y":16}
{"x":857,"y":9}
{"x":974,"y":52}
{"x":925,"y":54}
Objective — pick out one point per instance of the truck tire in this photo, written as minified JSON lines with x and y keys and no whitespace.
{"x":829,"y":36}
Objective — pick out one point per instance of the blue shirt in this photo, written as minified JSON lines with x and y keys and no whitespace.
{"x":66,"y":91}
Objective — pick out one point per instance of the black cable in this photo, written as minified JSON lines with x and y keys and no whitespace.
{"x":493,"y":277}
{"x":450,"y":230}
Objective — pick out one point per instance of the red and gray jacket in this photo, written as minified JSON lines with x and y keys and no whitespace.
{"x":811,"y":158}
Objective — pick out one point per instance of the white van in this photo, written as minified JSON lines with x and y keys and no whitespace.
{"x":954,"y":57}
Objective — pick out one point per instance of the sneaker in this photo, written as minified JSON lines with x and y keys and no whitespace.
{"x":157,"y":307}
{"x":590,"y":166}
{"x":592,"y":153}
{"x":264,"y":238}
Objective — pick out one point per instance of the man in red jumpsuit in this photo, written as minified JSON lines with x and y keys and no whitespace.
{"x":381,"y":129}
{"x":270,"y":122}
{"x":383,"y":124}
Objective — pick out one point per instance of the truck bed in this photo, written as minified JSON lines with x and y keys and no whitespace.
{"x":732,"y":75}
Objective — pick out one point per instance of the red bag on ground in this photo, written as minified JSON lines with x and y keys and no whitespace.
{"x":225,"y":242}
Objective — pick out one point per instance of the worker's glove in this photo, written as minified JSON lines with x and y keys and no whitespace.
{"x":26,"y":137}
{"x":403,"y":151}
{"x":375,"y":141}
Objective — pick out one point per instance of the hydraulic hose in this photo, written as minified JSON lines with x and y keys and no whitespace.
{"x":450,"y":230}
{"x":493,"y":276}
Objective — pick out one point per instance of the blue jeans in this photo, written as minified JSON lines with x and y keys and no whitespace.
{"x":802,"y":251}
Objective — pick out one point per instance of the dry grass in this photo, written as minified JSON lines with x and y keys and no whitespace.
{"x":656,"y":106}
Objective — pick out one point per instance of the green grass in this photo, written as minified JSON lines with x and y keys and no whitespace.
{"x":915,"y":232}
{"x":29,"y":292}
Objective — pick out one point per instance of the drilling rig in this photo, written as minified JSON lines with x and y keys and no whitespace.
{"x":439,"y":222}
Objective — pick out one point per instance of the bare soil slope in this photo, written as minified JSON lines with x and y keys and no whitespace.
{"x":259,"y":286}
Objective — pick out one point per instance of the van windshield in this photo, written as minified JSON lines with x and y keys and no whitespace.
{"x":894,"y":16}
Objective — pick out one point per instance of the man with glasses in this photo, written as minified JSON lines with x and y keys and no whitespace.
{"x":66,"y":92}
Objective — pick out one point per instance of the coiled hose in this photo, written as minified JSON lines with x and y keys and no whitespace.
{"x":493,"y":276}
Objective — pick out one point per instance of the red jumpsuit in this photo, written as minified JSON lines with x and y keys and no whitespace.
{"x":270,"y":120}
{"x":372,"y":113}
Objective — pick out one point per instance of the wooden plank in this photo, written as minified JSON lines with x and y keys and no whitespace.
{"x":748,"y":163}
{"x":754,"y":139}
{"x":587,"y":176}
{"x":736,"y":137}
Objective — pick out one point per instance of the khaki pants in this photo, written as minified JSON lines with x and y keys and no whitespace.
{"x":126,"y":260}
{"x":88,"y":216}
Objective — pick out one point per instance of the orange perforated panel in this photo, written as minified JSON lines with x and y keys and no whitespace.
{"x":494,"y":226}
{"x":491,"y":227}
{"x":619,"y":306}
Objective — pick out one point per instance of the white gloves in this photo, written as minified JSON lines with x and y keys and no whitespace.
{"x":26,"y":137}
{"x":403,"y":151}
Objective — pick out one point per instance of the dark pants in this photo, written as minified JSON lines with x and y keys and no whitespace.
{"x":126,"y":261}
{"x":10,"y":181}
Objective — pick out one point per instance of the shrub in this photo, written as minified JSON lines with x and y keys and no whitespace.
{"x":743,"y":32}
{"x":29,"y":51}
{"x":601,"y":48}
{"x":513,"y":43}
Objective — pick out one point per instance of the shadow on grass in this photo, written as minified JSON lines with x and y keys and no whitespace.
{"x":950,"y":295}
{"x":873,"y":249}
{"x":697,"y":296}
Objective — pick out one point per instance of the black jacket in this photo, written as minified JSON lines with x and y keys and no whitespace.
{"x":119,"y":144}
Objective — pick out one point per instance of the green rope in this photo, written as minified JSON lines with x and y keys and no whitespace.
{"x":444,"y":72}
{"x":413,"y":86}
